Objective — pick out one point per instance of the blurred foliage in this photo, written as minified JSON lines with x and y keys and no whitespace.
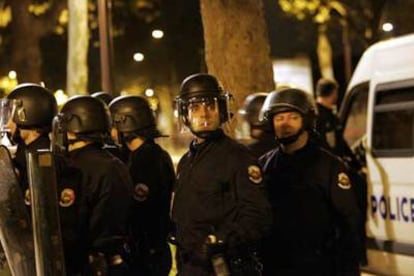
{"x":362,"y":16}
{"x":5,"y":15}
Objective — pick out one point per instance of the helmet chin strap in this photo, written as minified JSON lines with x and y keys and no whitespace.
{"x":16,"y":137}
{"x":290,"y":139}
{"x":203,"y":134}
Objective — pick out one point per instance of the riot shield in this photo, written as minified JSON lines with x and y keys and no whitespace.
{"x":15,"y":230}
{"x":45,"y":216}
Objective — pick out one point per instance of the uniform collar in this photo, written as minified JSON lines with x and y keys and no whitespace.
{"x":40,"y":142}
{"x":90,"y":147}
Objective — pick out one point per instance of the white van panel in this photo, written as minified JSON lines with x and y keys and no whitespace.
{"x":390,"y":264}
{"x":390,"y":214}
{"x":383,"y":56}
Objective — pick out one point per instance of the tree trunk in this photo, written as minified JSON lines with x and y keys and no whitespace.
{"x":324,"y":52}
{"x":78,"y":43}
{"x":237,"y":47}
{"x":26,"y":31}
{"x":25,"y":57}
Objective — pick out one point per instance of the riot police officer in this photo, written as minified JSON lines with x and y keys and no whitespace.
{"x":330,"y":131}
{"x":112,"y":144}
{"x":104,"y":197}
{"x":34,"y":107}
{"x":263,"y":140}
{"x":153,"y":176}
{"x":315,"y":214}
{"x":32,"y":110}
{"x":219,"y":206}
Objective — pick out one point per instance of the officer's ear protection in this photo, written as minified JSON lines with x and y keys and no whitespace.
{"x":309,"y":121}
{"x":118,"y":120}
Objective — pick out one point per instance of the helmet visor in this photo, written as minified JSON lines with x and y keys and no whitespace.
{"x":10,"y":111}
{"x":203,"y":114}
{"x":6,"y":108}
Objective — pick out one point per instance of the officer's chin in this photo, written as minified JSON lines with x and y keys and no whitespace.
{"x":203,"y":134}
{"x":204,"y":127}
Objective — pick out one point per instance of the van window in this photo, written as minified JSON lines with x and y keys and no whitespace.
{"x":356,"y":114}
{"x":393,"y":122}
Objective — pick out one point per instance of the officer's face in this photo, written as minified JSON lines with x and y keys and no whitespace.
{"x":286,"y":124}
{"x":203,"y":115}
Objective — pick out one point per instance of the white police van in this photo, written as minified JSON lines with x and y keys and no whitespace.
{"x":378,"y":113}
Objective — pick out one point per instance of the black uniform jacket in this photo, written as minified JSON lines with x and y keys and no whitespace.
{"x":219,"y":190}
{"x":315,"y":214}
{"x":153,"y":177}
{"x":105,"y":199}
{"x":327,"y":122}
{"x":262,"y":145}
{"x":42,"y":142}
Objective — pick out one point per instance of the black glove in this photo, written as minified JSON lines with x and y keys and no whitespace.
{"x":97,"y":264}
{"x":212,"y":246}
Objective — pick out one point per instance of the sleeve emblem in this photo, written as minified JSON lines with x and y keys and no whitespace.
{"x":343,"y":181}
{"x":67,"y":197}
{"x":255,"y":174}
{"x":141,"y":192}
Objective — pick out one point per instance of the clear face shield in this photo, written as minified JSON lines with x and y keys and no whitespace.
{"x":203,"y":114}
{"x":6,"y":107}
{"x":7,"y":126}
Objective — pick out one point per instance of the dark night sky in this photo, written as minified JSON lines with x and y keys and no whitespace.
{"x":180,"y":52}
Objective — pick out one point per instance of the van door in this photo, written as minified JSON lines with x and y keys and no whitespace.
{"x":390,"y":162}
{"x":353,"y":118}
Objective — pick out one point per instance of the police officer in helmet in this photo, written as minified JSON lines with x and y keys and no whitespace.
{"x":153,"y":176}
{"x":219,"y":206}
{"x":315,"y":214}
{"x":34,"y":107}
{"x":105,"y":191}
{"x":112,"y":144}
{"x":263,"y":140}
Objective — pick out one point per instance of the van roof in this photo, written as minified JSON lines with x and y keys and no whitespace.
{"x":384,"y":56}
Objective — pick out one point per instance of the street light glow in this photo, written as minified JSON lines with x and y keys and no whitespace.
{"x":149,"y":92}
{"x":138,"y":57}
{"x":157,"y":34}
{"x":12,"y":75}
{"x":387,"y":27}
{"x":61,"y":97}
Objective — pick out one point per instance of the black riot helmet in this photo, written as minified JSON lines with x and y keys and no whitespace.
{"x":290,"y":99}
{"x":134,"y":114}
{"x":252,"y":107}
{"x":34,"y":106}
{"x":202,"y":88}
{"x":103,"y":96}
{"x":85,"y":115}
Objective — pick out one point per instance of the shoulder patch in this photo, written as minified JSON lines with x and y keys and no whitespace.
{"x":141,"y":192}
{"x":67,"y":197}
{"x":255,"y":174}
{"x":343,"y":181}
